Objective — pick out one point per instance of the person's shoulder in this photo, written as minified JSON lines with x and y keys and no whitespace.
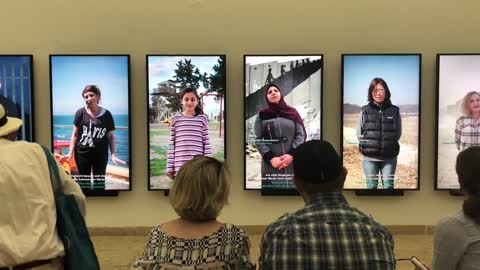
{"x":282,"y":225}
{"x":155,"y":231}
{"x":176,"y":116}
{"x":457,"y":218}
{"x":367,"y":220}
{"x":462,"y":118}
{"x":453,"y":224}
{"x":202,"y":117}
{"x":28,"y":147}
{"x":107,"y":112}
{"x":395,"y":107}
{"x":234,"y":229}
{"x":379,"y":226}
{"x":80,"y":110}
{"x":365,"y":107}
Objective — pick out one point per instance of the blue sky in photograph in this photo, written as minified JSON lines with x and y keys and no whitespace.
{"x":70,"y":75}
{"x":162,"y":68}
{"x":400,"y":72}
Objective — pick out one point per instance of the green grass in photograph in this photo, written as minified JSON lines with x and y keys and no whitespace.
{"x":157,"y":166}
{"x":158,"y":149}
{"x":159,"y":132}
{"x":219,"y":155}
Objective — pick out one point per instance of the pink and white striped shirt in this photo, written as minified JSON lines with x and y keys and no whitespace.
{"x":188,"y":138}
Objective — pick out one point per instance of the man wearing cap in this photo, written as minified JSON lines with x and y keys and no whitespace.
{"x":28,"y":237}
{"x":327,"y":233}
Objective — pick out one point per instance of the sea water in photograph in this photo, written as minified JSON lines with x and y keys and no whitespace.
{"x":117,"y":177}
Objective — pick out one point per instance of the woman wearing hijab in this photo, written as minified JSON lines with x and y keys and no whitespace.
{"x":279,"y":129}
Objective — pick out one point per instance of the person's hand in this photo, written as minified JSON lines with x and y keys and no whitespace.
{"x":276,"y":162}
{"x":170,"y":175}
{"x":66,"y":157}
{"x":116,"y":160}
{"x":286,"y":161}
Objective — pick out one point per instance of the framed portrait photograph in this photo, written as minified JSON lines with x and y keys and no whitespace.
{"x":186,"y":99}
{"x":458,"y":113}
{"x":381,"y":121}
{"x":283,"y":109}
{"x":90,"y":110}
{"x":16,"y":91}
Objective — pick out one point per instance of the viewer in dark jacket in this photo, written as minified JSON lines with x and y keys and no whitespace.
{"x":379,"y":129}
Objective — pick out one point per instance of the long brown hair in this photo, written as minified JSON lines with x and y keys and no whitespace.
{"x":469,"y":177}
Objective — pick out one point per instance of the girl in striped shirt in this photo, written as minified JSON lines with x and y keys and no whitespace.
{"x":188,"y":133}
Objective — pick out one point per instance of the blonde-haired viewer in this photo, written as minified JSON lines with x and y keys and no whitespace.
{"x":196,"y":239}
{"x":467,"y":130}
{"x":203,"y":190}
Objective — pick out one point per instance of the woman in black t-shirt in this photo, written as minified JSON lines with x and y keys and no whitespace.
{"x":92,"y":135}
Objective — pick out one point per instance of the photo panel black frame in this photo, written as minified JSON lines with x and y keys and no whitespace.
{"x":454,"y":191}
{"x":169,"y":86}
{"x":382,"y":192}
{"x":125,"y":130}
{"x":250,"y":109}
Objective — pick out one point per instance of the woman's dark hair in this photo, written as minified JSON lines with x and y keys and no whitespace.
{"x":198,"y":109}
{"x":94,"y":89}
{"x":469,"y":177}
{"x":372,"y":86}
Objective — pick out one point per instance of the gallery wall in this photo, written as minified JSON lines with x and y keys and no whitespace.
{"x":235,"y":28}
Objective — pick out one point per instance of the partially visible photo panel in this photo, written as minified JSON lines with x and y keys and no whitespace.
{"x":381,"y":120}
{"x":90,"y":108}
{"x":458,"y":112}
{"x":283,"y":109}
{"x":186,"y":113}
{"x":16,"y":89}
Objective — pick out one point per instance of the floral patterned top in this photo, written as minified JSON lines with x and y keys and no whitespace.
{"x":226,"y":248}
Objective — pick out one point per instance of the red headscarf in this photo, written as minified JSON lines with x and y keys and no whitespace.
{"x":281,"y":109}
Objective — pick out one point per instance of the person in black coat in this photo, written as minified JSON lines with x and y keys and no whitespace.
{"x":378,"y":131}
